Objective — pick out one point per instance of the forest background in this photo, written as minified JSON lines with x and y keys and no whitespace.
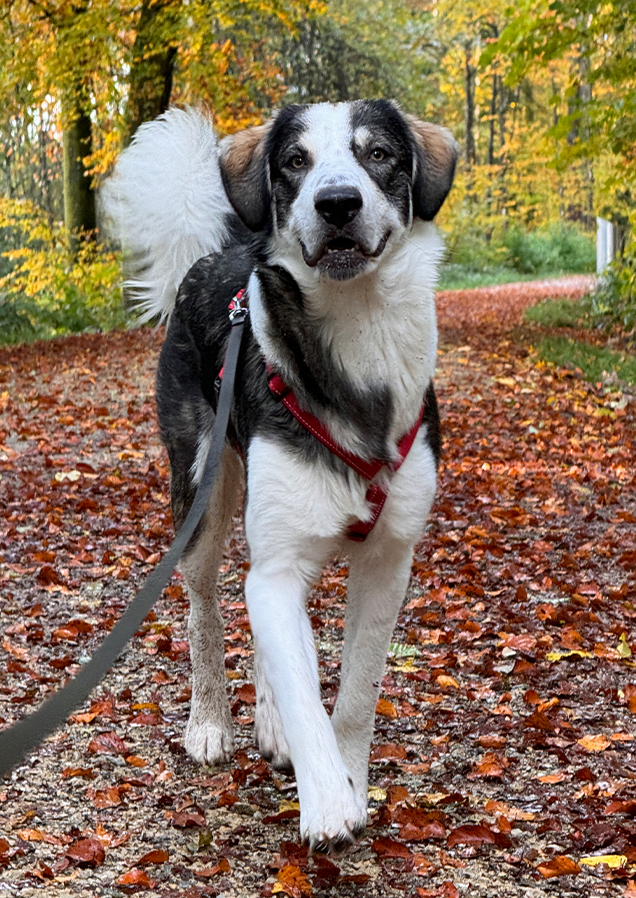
{"x":541,"y":97}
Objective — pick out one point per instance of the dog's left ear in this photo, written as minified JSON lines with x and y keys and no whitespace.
{"x":436,"y":152}
{"x":245,"y":174}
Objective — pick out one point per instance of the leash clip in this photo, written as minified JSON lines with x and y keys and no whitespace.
{"x":238,"y":311}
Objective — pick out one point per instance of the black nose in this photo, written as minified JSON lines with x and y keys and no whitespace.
{"x":338,"y":205}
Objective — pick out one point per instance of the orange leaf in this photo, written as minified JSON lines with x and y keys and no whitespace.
{"x":559,"y":866}
{"x":386,"y":709}
{"x":471,"y":834}
{"x":595,"y":743}
{"x":86,"y":853}
{"x":157,"y":856}
{"x":390,"y":848}
{"x":391,"y":751}
{"x":292,"y":881}
{"x":136,"y":877}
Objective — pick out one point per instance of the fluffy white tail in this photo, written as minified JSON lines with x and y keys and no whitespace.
{"x":166,"y":204}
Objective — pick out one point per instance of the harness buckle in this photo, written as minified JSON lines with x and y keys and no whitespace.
{"x":238,"y":311}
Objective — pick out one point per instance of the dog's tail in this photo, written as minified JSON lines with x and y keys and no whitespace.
{"x":165,"y":203}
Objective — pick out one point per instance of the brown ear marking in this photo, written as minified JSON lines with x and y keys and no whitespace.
{"x":245,"y":175}
{"x":437,"y":156}
{"x":438,"y":143}
{"x":238,"y":150}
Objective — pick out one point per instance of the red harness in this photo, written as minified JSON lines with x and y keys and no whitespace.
{"x":368,"y":468}
{"x":376,"y":494}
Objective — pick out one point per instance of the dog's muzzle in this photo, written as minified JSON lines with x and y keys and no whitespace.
{"x":342,"y":253}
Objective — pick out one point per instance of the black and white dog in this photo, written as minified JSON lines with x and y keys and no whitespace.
{"x":324,"y":215}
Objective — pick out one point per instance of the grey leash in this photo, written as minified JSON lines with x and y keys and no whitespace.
{"x":16,"y":741}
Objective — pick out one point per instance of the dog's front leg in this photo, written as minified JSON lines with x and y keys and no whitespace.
{"x":379,"y":571}
{"x":330,"y":814}
{"x":378,"y":579}
{"x":292,"y":525}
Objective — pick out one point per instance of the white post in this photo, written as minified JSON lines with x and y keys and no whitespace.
{"x":604,"y":244}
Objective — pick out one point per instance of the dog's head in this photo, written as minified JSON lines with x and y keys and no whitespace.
{"x":332,"y":184}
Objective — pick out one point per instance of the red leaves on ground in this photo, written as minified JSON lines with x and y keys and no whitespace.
{"x":502,"y":306}
{"x":389,"y":751}
{"x":86,"y":853}
{"x":476,"y":835}
{"x":135,"y":879}
{"x":490,"y":765}
{"x":504,"y":732}
{"x":192,"y":816}
{"x":156,"y":856}
{"x":446,"y":890}
{"x":108,"y":743}
{"x":386,"y":847}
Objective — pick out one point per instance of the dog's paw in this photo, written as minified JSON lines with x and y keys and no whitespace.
{"x":269,"y":734}
{"x":207,"y":742}
{"x":332,"y":825}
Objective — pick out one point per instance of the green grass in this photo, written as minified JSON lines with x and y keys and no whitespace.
{"x":560,"y":313}
{"x":595,"y":362}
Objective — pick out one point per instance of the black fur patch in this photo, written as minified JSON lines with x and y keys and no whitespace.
{"x":193,"y":354}
{"x":390,"y":133}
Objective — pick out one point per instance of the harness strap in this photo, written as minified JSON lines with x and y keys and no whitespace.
{"x":376,"y":494}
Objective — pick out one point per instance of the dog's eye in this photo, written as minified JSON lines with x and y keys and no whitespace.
{"x":297,"y":161}
{"x":378,"y":154}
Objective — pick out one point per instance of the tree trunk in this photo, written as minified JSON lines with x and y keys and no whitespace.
{"x":580,"y":131}
{"x":493,"y":117}
{"x":150,"y":84}
{"x":469,"y":82}
{"x":79,"y":196}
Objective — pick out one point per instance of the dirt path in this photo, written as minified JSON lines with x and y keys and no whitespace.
{"x":505,"y":751}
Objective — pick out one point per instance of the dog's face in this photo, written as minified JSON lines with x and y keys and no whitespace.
{"x":333,"y":183}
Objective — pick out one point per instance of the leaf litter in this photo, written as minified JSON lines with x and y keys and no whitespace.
{"x":504,"y":760}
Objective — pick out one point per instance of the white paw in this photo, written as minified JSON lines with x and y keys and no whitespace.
{"x":207,"y":742}
{"x":331,"y":821}
{"x":269,"y":732}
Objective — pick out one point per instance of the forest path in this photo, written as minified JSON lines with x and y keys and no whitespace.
{"x":505,"y":750}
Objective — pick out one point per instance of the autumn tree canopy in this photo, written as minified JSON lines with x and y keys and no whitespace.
{"x":541,"y":97}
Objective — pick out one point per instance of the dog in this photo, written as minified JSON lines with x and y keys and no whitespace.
{"x":324,"y":216}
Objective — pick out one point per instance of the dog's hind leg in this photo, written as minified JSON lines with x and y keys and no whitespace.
{"x":209,"y":736}
{"x":272,"y":743}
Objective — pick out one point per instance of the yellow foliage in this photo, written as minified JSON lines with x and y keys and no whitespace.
{"x":43,"y":269}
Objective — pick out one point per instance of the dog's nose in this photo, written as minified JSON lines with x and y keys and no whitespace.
{"x":338,"y":205}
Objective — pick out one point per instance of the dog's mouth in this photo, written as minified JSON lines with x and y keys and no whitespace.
{"x":342,"y":257}
{"x":343,"y":245}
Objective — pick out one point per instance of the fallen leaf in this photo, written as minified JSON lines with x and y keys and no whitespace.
{"x":471,"y":834}
{"x":86,"y":853}
{"x":595,"y":743}
{"x":611,"y":860}
{"x":108,"y":743}
{"x":157,"y":856}
{"x":559,"y":866}
{"x":385,"y":708}
{"x":386,"y":847}
{"x":293,"y":882}
{"x":137,"y":878}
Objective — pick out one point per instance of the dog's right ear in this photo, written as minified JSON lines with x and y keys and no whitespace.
{"x":245,"y":174}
